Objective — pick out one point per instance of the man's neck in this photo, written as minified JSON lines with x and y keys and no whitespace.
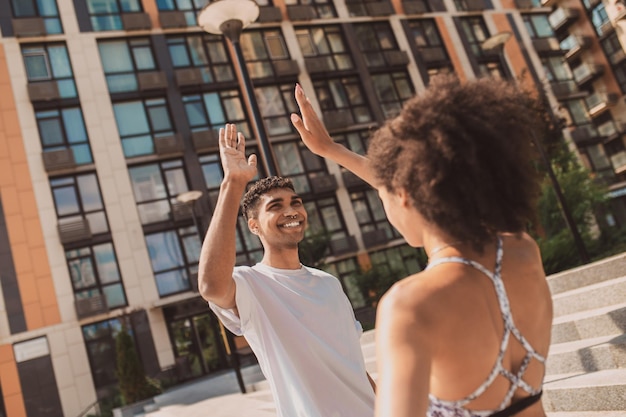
{"x":282,"y":259}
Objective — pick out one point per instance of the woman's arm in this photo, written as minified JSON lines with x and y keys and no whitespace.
{"x":315,"y":136}
{"x":403,"y":357}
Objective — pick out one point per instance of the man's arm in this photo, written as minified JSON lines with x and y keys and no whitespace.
{"x":315,"y":136}
{"x":218,"y":254}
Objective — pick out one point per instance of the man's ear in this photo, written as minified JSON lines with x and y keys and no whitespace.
{"x":253,"y":226}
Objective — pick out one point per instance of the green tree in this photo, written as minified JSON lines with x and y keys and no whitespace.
{"x":134,"y":384}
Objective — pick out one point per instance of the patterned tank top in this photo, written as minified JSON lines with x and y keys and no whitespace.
{"x":442,"y":408}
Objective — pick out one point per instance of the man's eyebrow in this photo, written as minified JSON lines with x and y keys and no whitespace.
{"x":296,"y":197}
{"x":274,"y":200}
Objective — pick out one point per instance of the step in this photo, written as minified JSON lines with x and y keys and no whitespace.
{"x":595,"y":391}
{"x":590,"y":297}
{"x":588,"y":355}
{"x":598,"y":322}
{"x":605,"y":269}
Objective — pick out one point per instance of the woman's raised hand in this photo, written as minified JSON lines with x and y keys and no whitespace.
{"x":311,"y":129}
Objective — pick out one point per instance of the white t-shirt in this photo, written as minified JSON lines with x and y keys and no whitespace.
{"x":302,"y":329}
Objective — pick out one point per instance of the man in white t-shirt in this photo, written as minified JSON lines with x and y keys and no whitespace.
{"x":297,"y":320}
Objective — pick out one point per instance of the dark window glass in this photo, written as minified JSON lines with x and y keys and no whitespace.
{"x":122,"y":59}
{"x":367,"y":7}
{"x":50,"y":62}
{"x":77,"y":197}
{"x":374,"y":39}
{"x":324,"y":214}
{"x":299,"y":164}
{"x":207,"y":53}
{"x":599,"y":18}
{"x":46,"y":9}
{"x":370,"y":213}
{"x":323,"y":8}
{"x":538,"y":26}
{"x":107,"y":14}
{"x":347,"y":271}
{"x":343,"y":94}
{"x":276,"y":103}
{"x":392,"y":90}
{"x":190,"y":8}
{"x":620,"y":75}
{"x":211,"y":110}
{"x":431,"y":50}
{"x":100,"y":343}
{"x":63,"y":129}
{"x":260,"y":49}
{"x":325,"y":43}
{"x":489,"y":64}
{"x":403,"y":259}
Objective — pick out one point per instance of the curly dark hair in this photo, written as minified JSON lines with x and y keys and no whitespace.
{"x":250,"y":202}
{"x":463,"y":153}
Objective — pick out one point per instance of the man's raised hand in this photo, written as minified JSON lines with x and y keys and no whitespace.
{"x":233,"y":155}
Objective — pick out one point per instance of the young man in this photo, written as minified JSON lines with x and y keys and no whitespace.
{"x":297,"y":320}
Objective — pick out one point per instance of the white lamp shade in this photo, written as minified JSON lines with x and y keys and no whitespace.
{"x":217,"y":12}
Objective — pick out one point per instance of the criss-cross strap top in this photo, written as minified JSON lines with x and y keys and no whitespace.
{"x":441,"y":408}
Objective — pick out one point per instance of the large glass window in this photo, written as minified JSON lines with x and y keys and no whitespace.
{"x":392,"y":90}
{"x":620,"y":75}
{"x":174,"y":256}
{"x":46,"y":9}
{"x":402,"y":259}
{"x":370,"y":213}
{"x":538,"y":26}
{"x":156,"y":187}
{"x":368,"y":7}
{"x":577,"y":111}
{"x":190,"y":8}
{"x":94,"y":271}
{"x":322,"y":8}
{"x":77,"y":197}
{"x":207,"y":53}
{"x":476,"y":32}
{"x":374,"y":39}
{"x":276,"y":103}
{"x":424,"y":35}
{"x":343,"y":94}
{"x":122,"y":59}
{"x":324,"y":214}
{"x":299,"y":164}
{"x":327,"y":43}
{"x":50,"y":62}
{"x":599,"y":18}
{"x":347,"y":271}
{"x":210,"y":111}
{"x":260,"y":49}
{"x":139,"y":122}
{"x":107,"y":14}
{"x":62,"y":129}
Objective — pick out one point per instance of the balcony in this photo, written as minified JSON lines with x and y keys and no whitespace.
{"x":619,"y":161}
{"x":471,"y":5}
{"x":269,"y":14}
{"x":286,"y":68}
{"x":151,"y":80}
{"x":415,"y":7}
{"x":433,"y":54}
{"x":204,"y":140}
{"x":136,"y":21}
{"x":168,"y":145}
{"x":29,"y":26}
{"x":583,"y":135}
{"x":374,"y":238}
{"x":609,"y":130}
{"x":396,"y":57}
{"x":342,"y":245}
{"x":585,"y":73}
{"x":172,"y":20}
{"x":188,"y":76}
{"x":338,"y":119}
{"x":90,"y":306}
{"x":43,"y":91}
{"x":58,"y":160}
{"x":575,"y":44}
{"x":597,"y":103}
{"x":379,"y":8}
{"x":298,"y":12}
{"x":566,"y":89}
{"x":319,"y":64}
{"x":324,"y":183}
{"x":563,"y":17}
{"x":547,"y":46}
{"x":74,"y":230}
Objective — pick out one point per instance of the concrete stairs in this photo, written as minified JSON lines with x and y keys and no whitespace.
{"x":586,"y":368}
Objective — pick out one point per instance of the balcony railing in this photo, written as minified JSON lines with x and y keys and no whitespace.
{"x":598,"y":102}
{"x":587,"y":72}
{"x":561,"y":17}
{"x":584,"y":134}
{"x":565,"y":89}
{"x":574,"y":44}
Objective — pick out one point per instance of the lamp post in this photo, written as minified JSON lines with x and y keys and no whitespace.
{"x":189,"y":199}
{"x":496,"y":42}
{"x":229,"y":18}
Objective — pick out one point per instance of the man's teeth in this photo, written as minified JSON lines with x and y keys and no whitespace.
{"x":291,"y":224}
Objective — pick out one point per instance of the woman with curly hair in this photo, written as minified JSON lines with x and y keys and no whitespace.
{"x":469,"y":335}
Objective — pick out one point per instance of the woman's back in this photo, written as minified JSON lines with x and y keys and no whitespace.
{"x":472,"y":350}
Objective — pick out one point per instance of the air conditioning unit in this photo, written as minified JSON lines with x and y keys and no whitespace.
{"x":269,"y":14}
{"x":58,"y":159}
{"x":300,"y":12}
{"x":379,"y":8}
{"x":43,"y":91}
{"x":204,"y":140}
{"x":181,"y":211}
{"x":433,"y":54}
{"x":188,"y":76}
{"x":172,"y":19}
{"x":324,"y":183}
{"x":374,"y":238}
{"x":319,"y":64}
{"x":351,"y":180}
{"x":74,"y":230}
{"x":396,"y":57}
{"x":29,"y":26}
{"x":338,"y":119}
{"x":415,"y":7}
{"x":152,"y":80}
{"x":166,"y":145}
{"x":286,"y":67}
{"x":136,"y":21}
{"x":90,"y":306}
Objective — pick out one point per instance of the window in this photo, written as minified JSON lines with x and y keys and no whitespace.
{"x":370,"y":213}
{"x":326,"y":43}
{"x":538,"y":26}
{"x":620,"y":75}
{"x":369,"y":7}
{"x":489,"y":64}
{"x":323,"y":8}
{"x":325,"y":214}
{"x":299,"y":164}
{"x":139,"y":122}
{"x":260,"y":49}
{"x":373,"y":40}
{"x":94,"y":271}
{"x":613,"y":48}
{"x":276,"y":103}
{"x":577,"y":111}
{"x":122,"y":59}
{"x":392,"y":90}
{"x":64,"y":129}
{"x":430,"y":47}
{"x":405,"y":259}
{"x":155,"y":187}
{"x":248,"y":246}
{"x":50,"y":62}
{"x":210,"y":111}
{"x":174,"y":257}
{"x":206,"y":52}
{"x":100,"y":342}
{"x":600,"y":19}
{"x":343,"y":94}
{"x":190,"y":8}
{"x":46,"y":9}
{"x":78,"y":197}
{"x":556,"y":69}
{"x":107,"y":14}
{"x":347,"y":271}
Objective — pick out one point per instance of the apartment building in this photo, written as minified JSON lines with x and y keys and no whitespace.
{"x":109,"y":167}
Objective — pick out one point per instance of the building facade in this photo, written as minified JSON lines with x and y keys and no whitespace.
{"x":109,"y":111}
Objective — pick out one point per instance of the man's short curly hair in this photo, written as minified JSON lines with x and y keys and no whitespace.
{"x":250,"y":202}
{"x":463,"y":153}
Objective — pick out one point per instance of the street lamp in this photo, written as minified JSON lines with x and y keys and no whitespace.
{"x":496,"y":42}
{"x":189,"y":198}
{"x":229,"y":18}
